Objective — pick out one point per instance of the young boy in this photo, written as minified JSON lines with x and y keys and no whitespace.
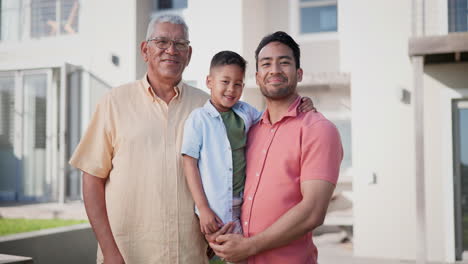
{"x":214,"y":144}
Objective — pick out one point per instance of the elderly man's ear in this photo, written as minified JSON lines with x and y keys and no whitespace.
{"x":144,"y":50}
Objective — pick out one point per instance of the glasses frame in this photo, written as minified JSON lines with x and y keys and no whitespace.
{"x":172,"y":42}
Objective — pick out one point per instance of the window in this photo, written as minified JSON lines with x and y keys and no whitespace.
{"x":10,"y":15}
{"x":458,"y":15}
{"x":170,"y":4}
{"x":344,"y":127}
{"x":318,"y":16}
{"x":53,"y":17}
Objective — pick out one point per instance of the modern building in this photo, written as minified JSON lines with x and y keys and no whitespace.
{"x":392,"y":75}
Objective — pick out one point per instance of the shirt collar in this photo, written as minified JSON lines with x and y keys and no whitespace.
{"x":292,"y":112}
{"x":149,"y":91}
{"x":209,"y":107}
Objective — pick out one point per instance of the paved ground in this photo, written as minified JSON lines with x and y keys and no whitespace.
{"x":72,"y":210}
{"x":331,"y":250}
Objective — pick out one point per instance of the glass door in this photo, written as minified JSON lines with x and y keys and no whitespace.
{"x":34,"y":129}
{"x":460,"y":121}
{"x":9,"y":160}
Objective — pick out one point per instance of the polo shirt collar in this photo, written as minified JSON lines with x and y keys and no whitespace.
{"x":292,"y":112}
{"x":209,"y":107}
{"x":149,"y":91}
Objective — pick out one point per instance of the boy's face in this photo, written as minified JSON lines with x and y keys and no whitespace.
{"x":226,"y":83}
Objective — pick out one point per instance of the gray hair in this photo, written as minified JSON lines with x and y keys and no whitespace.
{"x":169,"y":18}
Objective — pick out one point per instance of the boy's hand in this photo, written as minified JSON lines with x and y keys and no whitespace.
{"x":306,"y":105}
{"x":209,"y":221}
{"x":227,"y":228}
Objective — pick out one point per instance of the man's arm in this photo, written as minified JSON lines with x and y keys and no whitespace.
{"x":299,"y":220}
{"x":95,"y":204}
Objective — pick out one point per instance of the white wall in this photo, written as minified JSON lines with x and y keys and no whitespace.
{"x":373,"y":48}
{"x":214,"y":26}
{"x":442,"y":83}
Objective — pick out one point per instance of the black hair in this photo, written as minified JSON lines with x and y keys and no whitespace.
{"x":227,"y":57}
{"x":282,"y":37}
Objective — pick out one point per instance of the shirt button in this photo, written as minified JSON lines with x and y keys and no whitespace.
{"x":245,"y":223}
{"x":229,"y":188}
{"x":272,"y":130}
{"x":257,"y":174}
{"x":230,"y":169}
{"x":264,"y":151}
{"x":230,"y":210}
{"x":250,"y":198}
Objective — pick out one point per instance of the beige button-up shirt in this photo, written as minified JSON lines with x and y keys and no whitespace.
{"x":134,"y":140}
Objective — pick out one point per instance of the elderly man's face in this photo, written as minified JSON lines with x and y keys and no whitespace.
{"x":166,"y":64}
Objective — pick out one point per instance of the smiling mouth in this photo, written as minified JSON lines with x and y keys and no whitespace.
{"x":170,"y":61}
{"x":229,"y":97}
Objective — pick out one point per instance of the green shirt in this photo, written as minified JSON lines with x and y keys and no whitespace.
{"x":235,"y":129}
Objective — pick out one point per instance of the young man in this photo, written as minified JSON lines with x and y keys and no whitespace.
{"x":293,"y":162}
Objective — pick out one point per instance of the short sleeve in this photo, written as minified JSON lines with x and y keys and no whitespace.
{"x":94,"y":153}
{"x":321,"y":152}
{"x":192,"y":140}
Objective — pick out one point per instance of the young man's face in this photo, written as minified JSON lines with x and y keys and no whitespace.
{"x":226,"y":83}
{"x":169,"y":63}
{"x":277,"y":75}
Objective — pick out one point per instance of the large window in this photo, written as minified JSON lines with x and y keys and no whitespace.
{"x":458,"y":15}
{"x":318,"y":16}
{"x":53,"y":17}
{"x":37,"y":18}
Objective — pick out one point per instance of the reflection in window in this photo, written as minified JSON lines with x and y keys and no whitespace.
{"x":318,"y":16}
{"x":52,"y":17}
{"x":458,"y":15}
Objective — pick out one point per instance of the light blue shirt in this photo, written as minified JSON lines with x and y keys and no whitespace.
{"x":205,"y":139}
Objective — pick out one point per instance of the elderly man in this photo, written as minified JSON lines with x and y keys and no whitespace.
{"x":134,"y":191}
{"x":293,"y":162}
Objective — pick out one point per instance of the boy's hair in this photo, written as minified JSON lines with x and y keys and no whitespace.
{"x":282,"y":37}
{"x":227,"y":57}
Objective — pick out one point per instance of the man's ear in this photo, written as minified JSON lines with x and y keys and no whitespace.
{"x":256,"y":78}
{"x":144,"y":50}
{"x":299,"y":74}
{"x":189,"y":55}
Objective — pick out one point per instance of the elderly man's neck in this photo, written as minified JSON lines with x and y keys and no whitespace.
{"x":164,"y":89}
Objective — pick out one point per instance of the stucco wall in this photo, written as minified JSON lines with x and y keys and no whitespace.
{"x":373,"y":48}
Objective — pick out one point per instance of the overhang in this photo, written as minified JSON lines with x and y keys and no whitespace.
{"x":450,"y":48}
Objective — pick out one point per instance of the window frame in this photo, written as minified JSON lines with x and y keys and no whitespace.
{"x":295,"y":21}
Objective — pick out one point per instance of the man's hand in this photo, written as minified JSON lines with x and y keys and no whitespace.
{"x":209,"y":221}
{"x":306,"y":105}
{"x":227,"y":228}
{"x":233,"y":247}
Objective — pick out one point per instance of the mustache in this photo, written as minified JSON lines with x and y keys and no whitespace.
{"x":283,"y":78}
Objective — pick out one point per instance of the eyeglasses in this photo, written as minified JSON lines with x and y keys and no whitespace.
{"x":165,"y":43}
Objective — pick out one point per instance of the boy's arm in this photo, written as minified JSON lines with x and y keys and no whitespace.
{"x":209,"y":222}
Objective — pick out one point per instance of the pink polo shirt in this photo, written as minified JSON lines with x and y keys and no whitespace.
{"x":299,"y":147}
